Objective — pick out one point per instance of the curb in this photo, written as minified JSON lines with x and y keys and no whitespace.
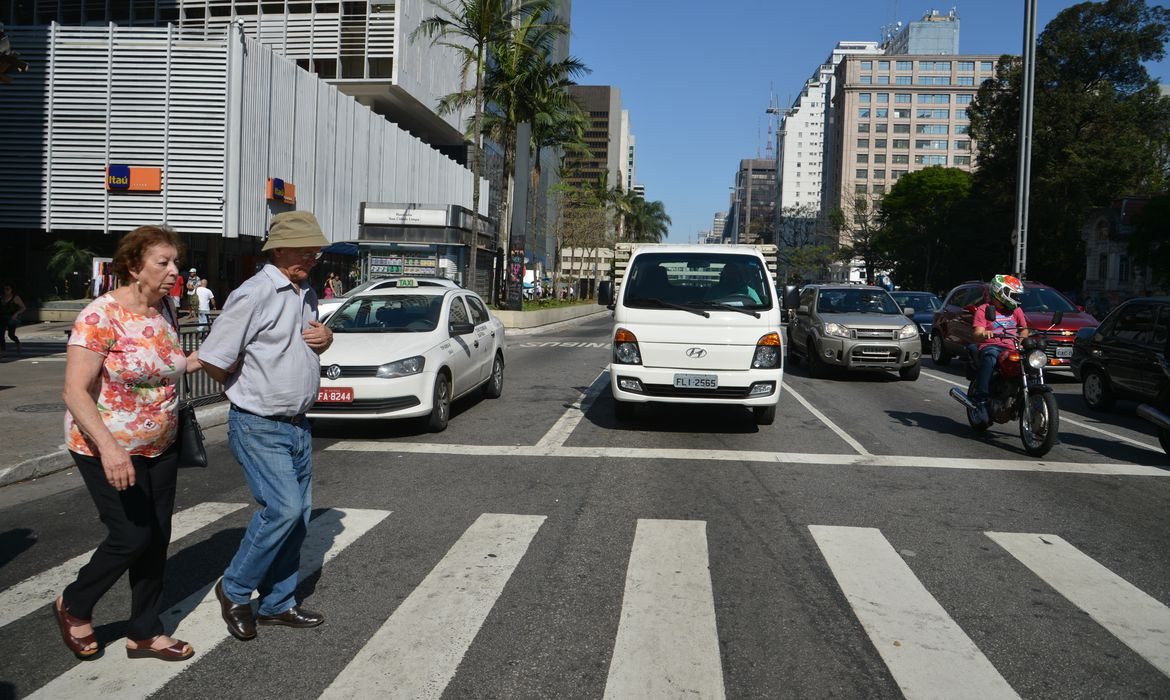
{"x":36,"y":467}
{"x":567,"y":323}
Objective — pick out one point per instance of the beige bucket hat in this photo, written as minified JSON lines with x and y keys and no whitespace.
{"x":295,"y":229}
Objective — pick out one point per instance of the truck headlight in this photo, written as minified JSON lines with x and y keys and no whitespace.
{"x":1037,"y":359}
{"x":836,"y":330}
{"x":767,"y":352}
{"x":908,"y":331}
{"x":625,"y":348}
{"x":401,"y":368}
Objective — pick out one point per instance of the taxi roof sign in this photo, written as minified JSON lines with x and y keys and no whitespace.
{"x":407,"y":282}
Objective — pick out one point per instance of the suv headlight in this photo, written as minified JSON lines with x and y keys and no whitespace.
{"x":401,"y":368}
{"x":836,"y":330}
{"x":908,"y":331}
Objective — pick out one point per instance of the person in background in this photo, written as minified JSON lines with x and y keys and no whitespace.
{"x":206,"y":300}
{"x":264,"y":348}
{"x":177,"y":291}
{"x":193,"y":276}
{"x":122,"y":367}
{"x":338,"y":286}
{"x":11,"y":308}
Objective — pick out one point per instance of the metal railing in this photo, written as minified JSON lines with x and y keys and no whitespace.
{"x":198,"y":387}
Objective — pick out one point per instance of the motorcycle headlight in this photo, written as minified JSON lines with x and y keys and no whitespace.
{"x":836,"y":330}
{"x":401,"y":368}
{"x":1037,"y":359}
{"x":908,"y":331}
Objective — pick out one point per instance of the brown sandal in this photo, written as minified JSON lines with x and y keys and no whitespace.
{"x":77,"y":645}
{"x":179,"y":651}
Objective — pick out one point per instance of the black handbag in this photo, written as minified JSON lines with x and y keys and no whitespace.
{"x":192,"y":453}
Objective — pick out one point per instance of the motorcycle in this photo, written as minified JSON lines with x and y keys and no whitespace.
{"x":1017,"y":392}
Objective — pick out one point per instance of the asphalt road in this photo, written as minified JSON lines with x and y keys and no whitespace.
{"x":865,"y":545}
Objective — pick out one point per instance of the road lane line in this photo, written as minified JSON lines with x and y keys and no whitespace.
{"x":667,"y":645}
{"x":416,"y":652}
{"x":563,"y":428}
{"x":43,"y":588}
{"x":198,"y":621}
{"x":1138,"y":620}
{"x":825,"y":419}
{"x":927,"y":652}
{"x":1065,"y":419}
{"x":779,"y":458}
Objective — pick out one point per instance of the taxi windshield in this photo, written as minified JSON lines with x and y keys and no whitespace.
{"x":390,"y":313}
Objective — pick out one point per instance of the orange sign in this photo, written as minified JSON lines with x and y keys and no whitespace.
{"x":282,"y":191}
{"x":132,"y":179}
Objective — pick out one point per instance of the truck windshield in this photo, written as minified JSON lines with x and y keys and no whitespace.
{"x":702,"y":279}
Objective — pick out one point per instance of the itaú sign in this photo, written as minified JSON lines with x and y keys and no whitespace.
{"x":281,"y":191}
{"x":133,"y":179}
{"x":412,"y":216}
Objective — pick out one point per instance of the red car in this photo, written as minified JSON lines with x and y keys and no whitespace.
{"x":952,"y":330}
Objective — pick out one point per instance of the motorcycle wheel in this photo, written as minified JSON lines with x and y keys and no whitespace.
{"x":1039,"y":423}
{"x":972,"y":419}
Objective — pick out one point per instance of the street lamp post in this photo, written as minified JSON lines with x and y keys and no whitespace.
{"x":1024,"y":167}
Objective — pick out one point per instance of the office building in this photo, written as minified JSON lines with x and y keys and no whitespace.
{"x":603,"y":138}
{"x":719,"y":226}
{"x":935,"y":34}
{"x":753,"y":213}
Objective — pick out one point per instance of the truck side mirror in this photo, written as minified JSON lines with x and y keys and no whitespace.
{"x":605,"y":292}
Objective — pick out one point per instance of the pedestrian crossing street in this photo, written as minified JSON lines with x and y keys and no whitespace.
{"x":667,"y":640}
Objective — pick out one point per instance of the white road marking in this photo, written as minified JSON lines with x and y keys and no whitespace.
{"x":1065,"y":419}
{"x":43,"y":588}
{"x":832,"y":426}
{"x":667,"y":645}
{"x":1138,"y":620}
{"x":926,"y":651}
{"x":114,"y":675}
{"x":416,"y":652}
{"x":563,"y":428}
{"x":779,"y":458}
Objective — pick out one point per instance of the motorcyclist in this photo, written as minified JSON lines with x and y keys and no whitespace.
{"x":995,"y":324}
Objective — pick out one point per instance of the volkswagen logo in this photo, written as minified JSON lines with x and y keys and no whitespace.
{"x":333,"y":372}
{"x":696,"y":353}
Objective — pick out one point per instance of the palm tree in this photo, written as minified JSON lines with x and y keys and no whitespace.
{"x":68,"y":257}
{"x":470,"y":27}
{"x":646,"y":222}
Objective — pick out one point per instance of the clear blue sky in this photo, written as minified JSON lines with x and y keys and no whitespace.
{"x":696,"y":75}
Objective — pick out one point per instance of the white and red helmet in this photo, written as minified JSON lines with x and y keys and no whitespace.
{"x":1007,"y":290}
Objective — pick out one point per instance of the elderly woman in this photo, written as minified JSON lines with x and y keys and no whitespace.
{"x":122,"y":366}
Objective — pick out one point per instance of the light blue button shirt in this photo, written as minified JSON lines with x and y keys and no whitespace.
{"x":262,"y":322}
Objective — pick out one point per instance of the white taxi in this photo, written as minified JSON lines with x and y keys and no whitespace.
{"x":409,"y":352}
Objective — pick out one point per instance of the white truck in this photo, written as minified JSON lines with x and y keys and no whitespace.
{"x":695,"y":324}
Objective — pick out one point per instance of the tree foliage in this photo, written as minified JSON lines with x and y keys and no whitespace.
{"x":65,"y":258}
{"x":1100,"y":129}
{"x":919,"y":222}
{"x":804,"y":244}
{"x":857,"y":227}
{"x":1150,"y":241}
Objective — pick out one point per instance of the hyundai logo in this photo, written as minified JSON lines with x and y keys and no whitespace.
{"x":696,"y":353}
{"x":333,"y":372}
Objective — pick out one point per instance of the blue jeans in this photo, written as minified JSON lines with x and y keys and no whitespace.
{"x":988,"y":356}
{"x":278,"y":463}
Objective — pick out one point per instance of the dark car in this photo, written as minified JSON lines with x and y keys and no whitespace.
{"x":952,"y":330}
{"x":924,"y":305}
{"x":1126,"y":358}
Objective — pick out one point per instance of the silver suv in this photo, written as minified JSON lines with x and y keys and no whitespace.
{"x":851,"y":326}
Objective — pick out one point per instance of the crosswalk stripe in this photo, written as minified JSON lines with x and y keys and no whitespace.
{"x":1138,"y":620}
{"x":416,"y":652}
{"x":667,"y":645}
{"x":39,"y":590}
{"x":116,"y":676}
{"x":928,"y":654}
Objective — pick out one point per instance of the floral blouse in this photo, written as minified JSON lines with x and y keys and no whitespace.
{"x":136,"y":395}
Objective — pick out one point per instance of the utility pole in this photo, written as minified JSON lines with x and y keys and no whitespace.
{"x":1024,"y":169}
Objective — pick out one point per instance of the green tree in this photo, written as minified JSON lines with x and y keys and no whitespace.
{"x":1100,"y":129}
{"x":470,"y":27}
{"x":1150,"y":241}
{"x":918,"y":218}
{"x":66,"y":257}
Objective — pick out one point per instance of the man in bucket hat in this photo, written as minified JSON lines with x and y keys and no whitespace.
{"x":264,"y":348}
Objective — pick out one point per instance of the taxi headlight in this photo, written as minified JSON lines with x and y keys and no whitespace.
{"x":836,"y":330}
{"x":401,"y":368}
{"x":1037,"y":359}
{"x":907,"y":331}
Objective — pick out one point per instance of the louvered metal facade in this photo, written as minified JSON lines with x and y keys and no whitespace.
{"x":219,"y":116}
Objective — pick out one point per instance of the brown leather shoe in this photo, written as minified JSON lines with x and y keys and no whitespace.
{"x":240,"y":621}
{"x":296,"y":616}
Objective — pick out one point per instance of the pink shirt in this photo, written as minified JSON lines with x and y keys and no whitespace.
{"x":1004,"y":327}
{"x":136,"y":391}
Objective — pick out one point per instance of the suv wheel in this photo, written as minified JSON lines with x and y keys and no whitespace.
{"x":938,"y":353}
{"x":910,"y":373}
{"x":1096,"y":390}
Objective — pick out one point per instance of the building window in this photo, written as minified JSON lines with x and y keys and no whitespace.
{"x":963,"y":99}
{"x":883,"y":65}
{"x":903,"y":98}
{"x":895,"y":174}
{"x":1123,"y":268}
{"x":861,"y":174}
{"x":883,"y":80}
{"x":901,"y":143}
{"x":935,"y":66}
{"x":1103,"y":267}
{"x":903,"y":80}
{"x":965,"y":80}
{"x":865,"y":80}
{"x":934,"y":80}
{"x":931,"y":144}
{"x":962,"y":128}
{"x":883,"y":98}
{"x":934,"y":99}
{"x":880,"y":157}
{"x":867,"y":65}
{"x":933,"y":113}
{"x":863,"y":113}
{"x":864,"y":97}
{"x":859,"y":188}
{"x":959,"y":114}
{"x":966,"y":66}
{"x":882,"y":113}
{"x":862,"y":157}
{"x":930,"y":160}
{"x":900,"y":158}
{"x":881,"y":127}
{"x":961,"y":160}
{"x":904,"y":65}
{"x":863,"y":128}
{"x":986,"y":66}
{"x":901,"y":114}
{"x":863,"y":143}
{"x":963,"y":145}
{"x":931,"y":129}
{"x":879,"y":189}
{"x":879,"y":174}
{"x":901,"y":128}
